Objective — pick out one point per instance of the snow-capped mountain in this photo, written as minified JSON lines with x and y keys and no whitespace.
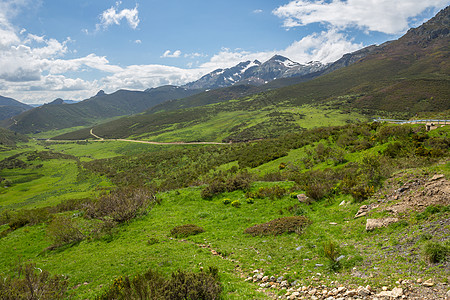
{"x":254,"y":72}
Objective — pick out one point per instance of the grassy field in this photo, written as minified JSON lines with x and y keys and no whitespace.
{"x":378,"y":258}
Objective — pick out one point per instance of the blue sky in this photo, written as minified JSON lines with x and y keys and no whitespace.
{"x":72,"y":49}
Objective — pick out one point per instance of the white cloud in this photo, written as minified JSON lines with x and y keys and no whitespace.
{"x":138,"y":42}
{"x":169,"y":54}
{"x":327,"y":46}
{"x":385,"y":16}
{"x":258,"y":11}
{"x":113,"y":16}
{"x":141,"y":77}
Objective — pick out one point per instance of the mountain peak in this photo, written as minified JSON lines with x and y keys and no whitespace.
{"x":56,"y":101}
{"x":101,"y":93}
{"x":278,"y":57}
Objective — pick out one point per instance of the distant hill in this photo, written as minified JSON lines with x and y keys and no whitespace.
{"x":57,"y":114}
{"x":10,"y":107}
{"x":400,"y":78}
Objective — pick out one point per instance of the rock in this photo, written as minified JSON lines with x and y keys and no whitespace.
{"x":299,"y":248}
{"x":295,"y":294}
{"x":284,"y":283}
{"x":403,"y":188}
{"x":333,"y":223}
{"x":428,"y":283}
{"x":304,"y":288}
{"x":437,"y":177}
{"x":419,"y":280}
{"x":342,"y":203}
{"x":351,"y":293}
{"x":447,"y":296}
{"x":312,"y":292}
{"x":319,"y":265}
{"x":395,"y":293}
{"x":362,"y":211}
{"x":341,"y":289}
{"x":363,"y":292}
{"x":384,"y":288}
{"x":371,"y":224}
{"x":303,"y":198}
{"x":340,"y":257}
{"x":280,"y":279}
{"x":265,"y":279}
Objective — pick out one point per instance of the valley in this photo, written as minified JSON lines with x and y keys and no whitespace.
{"x":266,"y":180}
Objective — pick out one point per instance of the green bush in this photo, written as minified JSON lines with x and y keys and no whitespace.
{"x":331,"y":251}
{"x":250,"y":200}
{"x":226,"y":201}
{"x":236,"y":203}
{"x":33,"y":283}
{"x":153,"y":286}
{"x":436,"y":252}
{"x":121,"y":205}
{"x":63,"y":230}
{"x":279,"y":226}
{"x":186,"y":230}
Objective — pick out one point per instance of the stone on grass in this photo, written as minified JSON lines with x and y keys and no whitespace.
{"x":371,"y":224}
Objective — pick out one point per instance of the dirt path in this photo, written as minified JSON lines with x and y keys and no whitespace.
{"x":99,"y":139}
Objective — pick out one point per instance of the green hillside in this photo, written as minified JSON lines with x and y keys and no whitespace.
{"x":230,"y":191}
{"x":93,"y":110}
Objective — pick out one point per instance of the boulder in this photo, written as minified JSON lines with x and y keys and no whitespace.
{"x":371,"y":224}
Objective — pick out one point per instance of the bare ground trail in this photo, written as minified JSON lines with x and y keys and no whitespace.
{"x":99,"y":139}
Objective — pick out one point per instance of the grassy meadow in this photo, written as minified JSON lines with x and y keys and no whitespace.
{"x":248,"y":184}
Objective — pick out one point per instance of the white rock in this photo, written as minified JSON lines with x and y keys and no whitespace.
{"x":371,"y":224}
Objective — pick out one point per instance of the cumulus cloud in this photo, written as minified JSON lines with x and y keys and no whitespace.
{"x":169,"y":54}
{"x":387,"y":16}
{"x":113,"y":16}
{"x":257,"y":11}
{"x":141,"y":77}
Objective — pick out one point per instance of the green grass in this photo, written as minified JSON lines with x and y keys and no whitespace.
{"x":143,"y":243}
{"x":295,"y":256}
{"x":55,"y":181}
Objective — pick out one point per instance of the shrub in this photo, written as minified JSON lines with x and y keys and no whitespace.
{"x":331,"y":252}
{"x":241,"y":181}
{"x":33,"y":283}
{"x":121,"y":205}
{"x":216,"y":187}
{"x":236,"y":203}
{"x":186,"y":230}
{"x":226,"y":201}
{"x":63,"y":230}
{"x":152,"y":285}
{"x":250,"y":200}
{"x":279,"y":226}
{"x":28,"y":216}
{"x":436,"y":252}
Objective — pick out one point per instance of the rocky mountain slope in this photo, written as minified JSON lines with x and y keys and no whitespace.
{"x":255,"y":73}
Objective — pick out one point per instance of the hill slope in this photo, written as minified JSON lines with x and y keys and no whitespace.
{"x":101,"y":106}
{"x":10,"y":107}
